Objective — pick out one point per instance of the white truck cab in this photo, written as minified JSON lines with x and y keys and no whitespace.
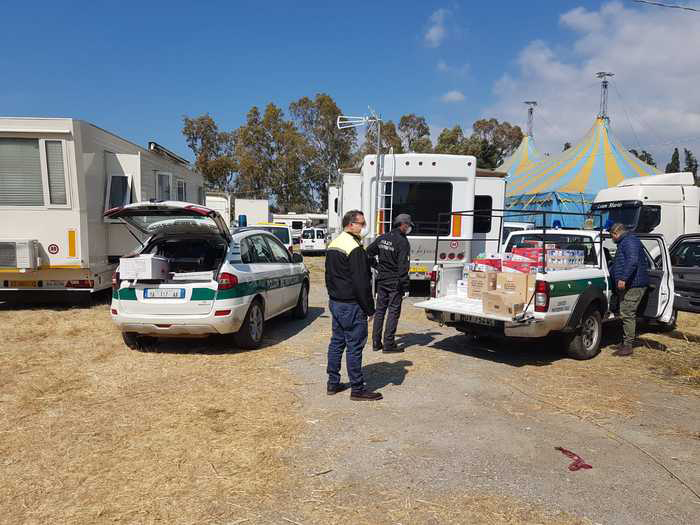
{"x":573,"y":303}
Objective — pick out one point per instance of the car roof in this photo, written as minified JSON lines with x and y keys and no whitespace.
{"x":248,"y":230}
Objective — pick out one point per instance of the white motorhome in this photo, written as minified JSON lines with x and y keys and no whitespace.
{"x":296,"y":221}
{"x":57,"y":178}
{"x":668,"y":204}
{"x":254,"y":210}
{"x":428,"y":187}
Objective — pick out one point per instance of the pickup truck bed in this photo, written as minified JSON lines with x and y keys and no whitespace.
{"x":468,"y":307}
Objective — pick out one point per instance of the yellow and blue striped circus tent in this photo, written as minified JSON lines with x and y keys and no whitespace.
{"x":569,"y":181}
{"x":522,"y":158}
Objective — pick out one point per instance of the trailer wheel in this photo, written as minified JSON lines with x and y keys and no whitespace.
{"x":251,"y":333}
{"x":302,"y":308}
{"x":585,"y":342}
{"x":138,"y":342}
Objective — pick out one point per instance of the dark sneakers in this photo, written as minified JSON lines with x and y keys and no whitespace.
{"x":392,"y":350}
{"x":365,"y":395}
{"x":377,"y":348}
{"x":623,"y":351}
{"x":334,"y":389}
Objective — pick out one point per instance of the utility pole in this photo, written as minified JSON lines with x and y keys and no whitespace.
{"x":530,"y":115}
{"x":603,"y":76}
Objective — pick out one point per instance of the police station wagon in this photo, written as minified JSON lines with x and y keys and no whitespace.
{"x":218,"y":282}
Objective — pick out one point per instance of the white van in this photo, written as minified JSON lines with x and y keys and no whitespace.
{"x":313,"y":240}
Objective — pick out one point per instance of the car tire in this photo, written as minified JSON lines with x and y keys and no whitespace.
{"x":140,"y":343}
{"x":585,"y":343}
{"x":250,"y":335}
{"x":302,"y":308}
{"x":670,"y":326}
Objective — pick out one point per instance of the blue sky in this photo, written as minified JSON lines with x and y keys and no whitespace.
{"x":136,"y":68}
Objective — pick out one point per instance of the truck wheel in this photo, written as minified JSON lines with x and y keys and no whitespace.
{"x":585,"y":343}
{"x":302,"y":308}
{"x":138,"y":342}
{"x":670,"y":326}
{"x":251,"y":333}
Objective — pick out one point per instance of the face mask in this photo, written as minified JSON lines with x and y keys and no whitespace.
{"x":409,"y":230}
{"x":364,"y":231}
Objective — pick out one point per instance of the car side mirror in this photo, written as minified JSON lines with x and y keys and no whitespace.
{"x":297,"y":258}
{"x":674,"y":260}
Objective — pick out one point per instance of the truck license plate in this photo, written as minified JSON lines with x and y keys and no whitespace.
{"x":484,"y":321}
{"x":164,"y":293}
{"x":418,"y":269}
{"x":22,"y":284}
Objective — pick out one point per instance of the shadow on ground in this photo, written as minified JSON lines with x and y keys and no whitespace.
{"x":405,"y":341}
{"x":60,"y":301}
{"x":379,"y":375}
{"x":277,"y":330}
{"x":522,"y":353}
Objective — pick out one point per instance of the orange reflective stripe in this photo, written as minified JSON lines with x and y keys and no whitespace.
{"x":71,"y":243}
{"x":456,"y":226}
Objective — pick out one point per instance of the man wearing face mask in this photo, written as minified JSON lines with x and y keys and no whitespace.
{"x":348,"y":281}
{"x":394,"y":253}
{"x":630,"y":275}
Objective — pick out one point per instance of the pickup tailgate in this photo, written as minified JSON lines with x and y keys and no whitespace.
{"x":470,"y":309}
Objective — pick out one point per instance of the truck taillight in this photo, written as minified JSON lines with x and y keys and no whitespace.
{"x":541,"y":296}
{"x":227,"y":281}
{"x":80,"y":283}
{"x":443,"y":256}
{"x":433,"y":283}
{"x":115,"y":281}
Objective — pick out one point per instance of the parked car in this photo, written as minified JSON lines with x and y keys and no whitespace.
{"x":685,"y":261}
{"x":313,"y":240}
{"x":281,"y":231}
{"x":218,"y":282}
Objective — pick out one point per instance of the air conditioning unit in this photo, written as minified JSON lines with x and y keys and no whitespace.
{"x":22,"y":254}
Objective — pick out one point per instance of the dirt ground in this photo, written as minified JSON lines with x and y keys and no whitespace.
{"x":200,"y":432}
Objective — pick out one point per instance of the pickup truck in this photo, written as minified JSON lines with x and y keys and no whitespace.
{"x":573,"y":304}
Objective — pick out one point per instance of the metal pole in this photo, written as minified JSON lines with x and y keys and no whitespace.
{"x":379,"y":184}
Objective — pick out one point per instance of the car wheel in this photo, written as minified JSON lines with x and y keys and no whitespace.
{"x":141,"y":343}
{"x":302,"y":308}
{"x":251,"y":333}
{"x":585,"y":343}
{"x":670,"y":326}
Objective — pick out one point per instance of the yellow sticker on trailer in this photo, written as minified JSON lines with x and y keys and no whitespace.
{"x":418,"y":269}
{"x":22,"y":284}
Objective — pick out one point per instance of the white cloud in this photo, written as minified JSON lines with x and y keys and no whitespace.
{"x":653,"y":53}
{"x":444,"y":67}
{"x":452,"y":96}
{"x":437,"y":30}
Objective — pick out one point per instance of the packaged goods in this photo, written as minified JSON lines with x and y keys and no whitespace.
{"x":534,"y":254}
{"x":462,"y":288}
{"x":148,"y":266}
{"x":522,"y":285}
{"x":480,"y":282}
{"x":502,"y":303}
{"x":522,"y":266}
{"x":486,"y":262}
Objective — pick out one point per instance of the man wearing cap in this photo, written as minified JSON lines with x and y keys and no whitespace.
{"x":394,"y":253}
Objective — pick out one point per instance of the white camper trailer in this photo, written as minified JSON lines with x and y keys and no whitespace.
{"x":57,"y":178}
{"x":221,"y":203}
{"x":427,"y":186}
{"x":668,"y":204}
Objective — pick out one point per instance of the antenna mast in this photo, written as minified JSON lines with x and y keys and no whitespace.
{"x":530,"y":115}
{"x":603,"y":76}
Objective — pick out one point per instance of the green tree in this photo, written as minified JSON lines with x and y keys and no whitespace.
{"x":644,"y":156}
{"x":498,"y":140}
{"x":213,"y":150}
{"x":331,"y":147}
{"x":274,"y":159}
{"x":415,"y":134}
{"x":675,"y":165}
{"x":691,"y":162}
{"x":567,"y":145}
{"x":453,"y":142}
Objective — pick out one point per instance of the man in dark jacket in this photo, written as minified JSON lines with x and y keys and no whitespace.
{"x":630,"y":273}
{"x":394,"y":253}
{"x":348,"y":280}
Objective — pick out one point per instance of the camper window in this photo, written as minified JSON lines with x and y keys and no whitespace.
{"x":483,"y":204}
{"x":424,"y":202}
{"x":181,"y":191}
{"x":118,"y":191}
{"x":56,"y":171}
{"x":164,"y":183}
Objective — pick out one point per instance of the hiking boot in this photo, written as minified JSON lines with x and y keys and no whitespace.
{"x":623,"y":350}
{"x":377,"y":347}
{"x":365,"y":395}
{"x":334,"y":389}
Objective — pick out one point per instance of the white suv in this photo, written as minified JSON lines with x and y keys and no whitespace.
{"x":218,"y":282}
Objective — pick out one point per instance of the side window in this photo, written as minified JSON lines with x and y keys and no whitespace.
{"x":279,"y":252}
{"x":483,"y":204}
{"x":320,"y":235}
{"x":118,"y":191}
{"x":163,"y":190}
{"x":686,"y":254}
{"x":246,"y":252}
{"x":181,"y":191}
{"x":260,"y":250}
{"x":652,"y":247}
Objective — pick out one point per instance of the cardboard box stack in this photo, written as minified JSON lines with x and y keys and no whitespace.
{"x":480,"y":282}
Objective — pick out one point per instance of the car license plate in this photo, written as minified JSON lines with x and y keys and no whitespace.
{"x":164,"y":293}
{"x":22,"y":284}
{"x":484,"y":321}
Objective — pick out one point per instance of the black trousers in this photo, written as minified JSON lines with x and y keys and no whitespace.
{"x":389,"y":298}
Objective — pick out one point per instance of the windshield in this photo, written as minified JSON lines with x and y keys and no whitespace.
{"x":308,"y":234}
{"x":561,"y":241}
{"x":161,"y":222}
{"x":281,"y":233}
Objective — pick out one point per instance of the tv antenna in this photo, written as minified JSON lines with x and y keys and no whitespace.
{"x":603,"y":76}
{"x":530,"y":115}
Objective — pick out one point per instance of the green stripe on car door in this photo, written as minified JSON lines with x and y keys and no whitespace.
{"x":575,"y":287}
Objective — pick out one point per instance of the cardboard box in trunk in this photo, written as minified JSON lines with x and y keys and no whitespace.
{"x":502,"y":303}
{"x":146,"y":266}
{"x":520,"y":284}
{"x":480,"y":282}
